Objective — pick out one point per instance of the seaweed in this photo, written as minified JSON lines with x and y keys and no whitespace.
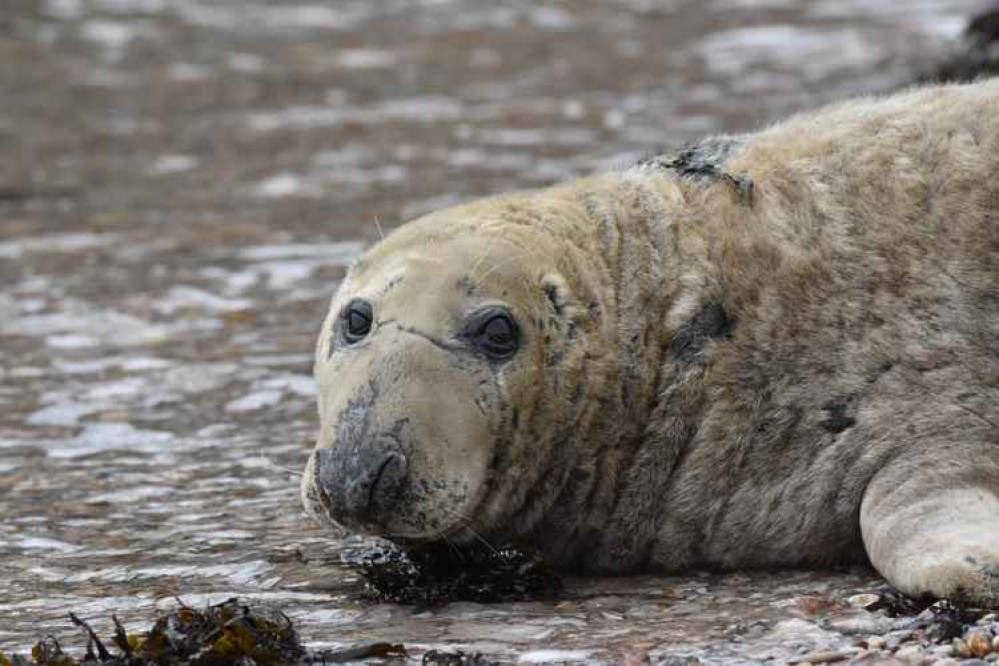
{"x":457,"y":658}
{"x":438,"y":574}
{"x":941,"y":620}
{"x":226,"y":634}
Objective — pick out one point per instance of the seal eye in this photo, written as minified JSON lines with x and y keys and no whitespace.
{"x":356,"y":320}
{"x":494,"y":332}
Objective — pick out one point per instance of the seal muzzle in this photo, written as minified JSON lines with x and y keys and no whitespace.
{"x":361,"y":483}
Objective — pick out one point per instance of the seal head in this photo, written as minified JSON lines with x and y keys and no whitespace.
{"x":427,"y":370}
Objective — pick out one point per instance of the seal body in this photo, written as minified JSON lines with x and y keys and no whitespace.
{"x":768,"y":350}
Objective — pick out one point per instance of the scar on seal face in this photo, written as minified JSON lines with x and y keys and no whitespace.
{"x":767,"y":350}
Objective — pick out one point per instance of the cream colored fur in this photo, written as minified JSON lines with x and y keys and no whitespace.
{"x":780,"y":349}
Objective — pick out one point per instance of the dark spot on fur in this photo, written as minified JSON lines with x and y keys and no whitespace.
{"x":482,"y":404}
{"x":466,"y":284}
{"x":690,"y":339}
{"x":702,"y":163}
{"x":393,"y":283}
{"x":837,"y":419}
{"x":551,"y":291}
{"x":355,"y":418}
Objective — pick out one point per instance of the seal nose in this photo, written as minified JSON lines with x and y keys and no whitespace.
{"x":361,"y":482}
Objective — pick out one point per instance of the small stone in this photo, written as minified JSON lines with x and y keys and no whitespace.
{"x":862,"y":600}
{"x":961,"y":648}
{"x":986,"y":619}
{"x":945,"y":662}
{"x":827,"y":657}
{"x":876,"y":643}
{"x":860,"y":623}
{"x":995,"y":644}
{"x":633,"y":658}
{"x":911,"y":653}
{"x":928,"y":614}
{"x":978,"y":643}
{"x":895,"y":638}
{"x":943,"y":650}
{"x":973,"y":662}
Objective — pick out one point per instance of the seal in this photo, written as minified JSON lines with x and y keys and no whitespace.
{"x":777,"y":349}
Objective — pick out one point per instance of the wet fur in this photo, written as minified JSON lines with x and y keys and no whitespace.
{"x":778,"y":349}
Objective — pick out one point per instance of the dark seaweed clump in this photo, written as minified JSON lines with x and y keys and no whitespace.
{"x":437,"y":575}
{"x":227,"y":634}
{"x":941,"y":620}
{"x":977,"y":54}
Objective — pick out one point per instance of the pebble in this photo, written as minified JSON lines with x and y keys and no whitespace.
{"x":979,"y":643}
{"x":827,"y":657}
{"x":911,"y":653}
{"x":862,"y":600}
{"x":862,"y":622}
{"x":876,"y":643}
{"x":895,"y":638}
{"x":961,"y":648}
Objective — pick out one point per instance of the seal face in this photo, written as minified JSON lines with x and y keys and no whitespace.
{"x":778,"y":349}
{"x":424,"y":363}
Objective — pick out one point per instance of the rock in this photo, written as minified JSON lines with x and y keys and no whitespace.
{"x":827,"y":656}
{"x":896,"y":638}
{"x":911,"y":653}
{"x":862,"y":622}
{"x":862,"y":600}
{"x":876,"y":643}
{"x":961,"y":648}
{"x":979,"y":643}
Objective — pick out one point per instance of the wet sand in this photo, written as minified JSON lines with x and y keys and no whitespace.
{"x":183,"y":183}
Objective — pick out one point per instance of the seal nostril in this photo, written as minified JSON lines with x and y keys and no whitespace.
{"x":387,"y":481}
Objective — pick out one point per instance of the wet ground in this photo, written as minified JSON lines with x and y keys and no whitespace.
{"x":181,"y":185}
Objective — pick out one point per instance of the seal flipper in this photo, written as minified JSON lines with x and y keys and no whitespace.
{"x":931,"y":535}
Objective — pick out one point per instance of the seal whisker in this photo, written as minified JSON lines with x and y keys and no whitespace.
{"x":454,"y":549}
{"x":496,"y":267}
{"x":274,"y":465}
{"x":378,"y":226}
{"x":465,"y":523}
{"x":482,"y":539}
{"x":481,"y":258}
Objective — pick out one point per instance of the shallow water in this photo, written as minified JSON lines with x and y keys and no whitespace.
{"x":183,"y":183}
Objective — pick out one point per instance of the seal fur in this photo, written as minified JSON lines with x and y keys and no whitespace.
{"x":778,"y":349}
